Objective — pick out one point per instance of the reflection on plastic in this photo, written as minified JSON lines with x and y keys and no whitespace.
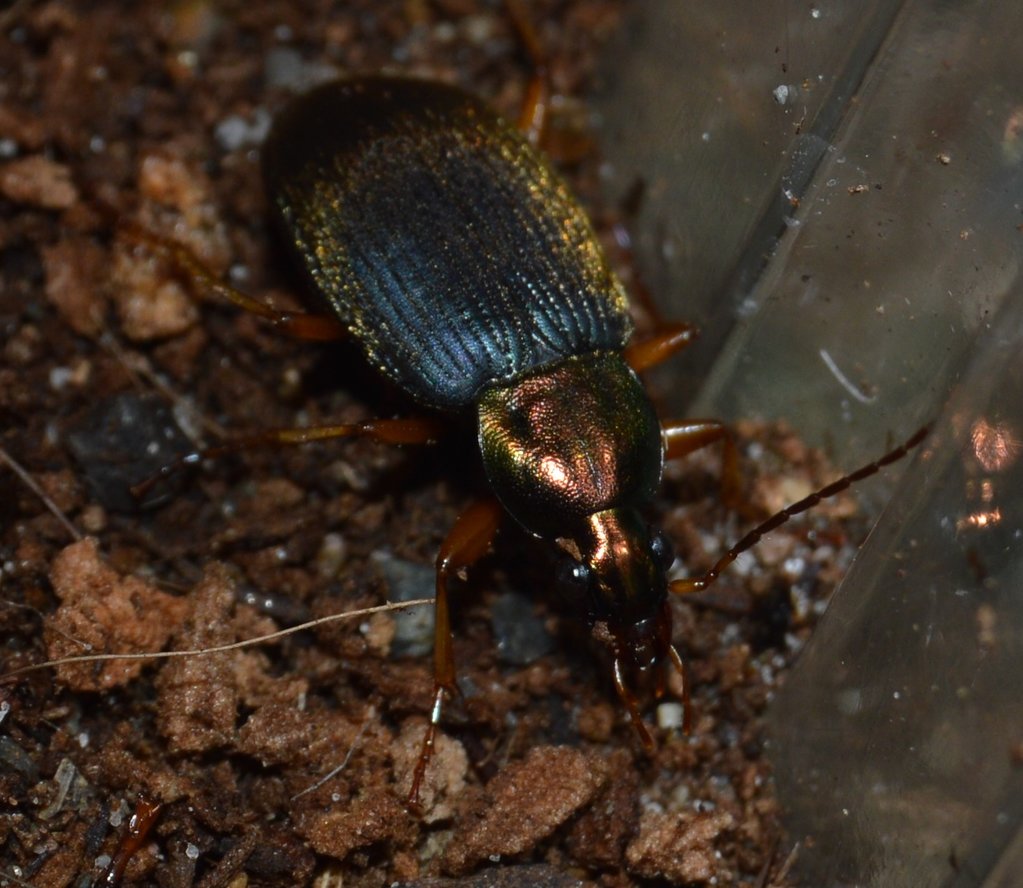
{"x":995,"y":446}
{"x":900,"y":733}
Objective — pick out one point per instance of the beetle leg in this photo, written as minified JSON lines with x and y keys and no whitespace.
{"x":146,"y":812}
{"x":408,"y":430}
{"x":685,"y":436}
{"x":465,"y":544}
{"x":298,"y":324}
{"x":632,"y":707}
{"x":648,"y":353}
{"x":533,"y":116}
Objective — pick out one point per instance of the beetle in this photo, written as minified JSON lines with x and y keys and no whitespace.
{"x":438,"y":238}
{"x":458,"y":260}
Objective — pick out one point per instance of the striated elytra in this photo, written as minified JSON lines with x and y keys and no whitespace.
{"x":439,"y":237}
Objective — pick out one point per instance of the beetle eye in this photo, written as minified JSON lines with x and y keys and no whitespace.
{"x":661,"y":549}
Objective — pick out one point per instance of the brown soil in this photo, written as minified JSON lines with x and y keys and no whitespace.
{"x":109,"y":363}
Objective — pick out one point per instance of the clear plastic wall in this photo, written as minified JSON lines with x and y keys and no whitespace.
{"x":834,"y":191}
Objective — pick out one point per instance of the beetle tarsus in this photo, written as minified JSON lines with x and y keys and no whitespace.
{"x":141,"y":822}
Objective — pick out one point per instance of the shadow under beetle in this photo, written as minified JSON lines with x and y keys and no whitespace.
{"x":444,"y":244}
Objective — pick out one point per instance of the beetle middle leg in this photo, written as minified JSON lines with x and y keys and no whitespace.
{"x":686,"y":436}
{"x":465,"y":544}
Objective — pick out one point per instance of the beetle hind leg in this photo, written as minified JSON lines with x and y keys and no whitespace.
{"x":686,"y":436}
{"x":298,"y":324}
{"x":536,"y":104}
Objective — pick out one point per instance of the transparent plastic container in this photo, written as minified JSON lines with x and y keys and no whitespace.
{"x":834,"y":191}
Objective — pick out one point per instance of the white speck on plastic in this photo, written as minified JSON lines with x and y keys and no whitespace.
{"x":747,"y":307}
{"x":794,"y":567}
{"x":896,"y":695}
{"x":191,"y":851}
{"x":781,"y":93}
{"x":83,"y":740}
{"x":815,"y":13}
{"x":705,"y":136}
{"x":849,"y":701}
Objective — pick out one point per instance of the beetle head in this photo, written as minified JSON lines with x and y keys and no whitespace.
{"x":622,"y":567}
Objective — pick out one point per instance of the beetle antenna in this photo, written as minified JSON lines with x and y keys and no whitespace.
{"x":697,"y":584}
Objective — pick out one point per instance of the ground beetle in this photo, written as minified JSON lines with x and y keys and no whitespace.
{"x":445,"y":245}
{"x":449,"y":249}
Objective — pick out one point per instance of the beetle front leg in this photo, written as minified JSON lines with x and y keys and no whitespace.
{"x":466,"y":543}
